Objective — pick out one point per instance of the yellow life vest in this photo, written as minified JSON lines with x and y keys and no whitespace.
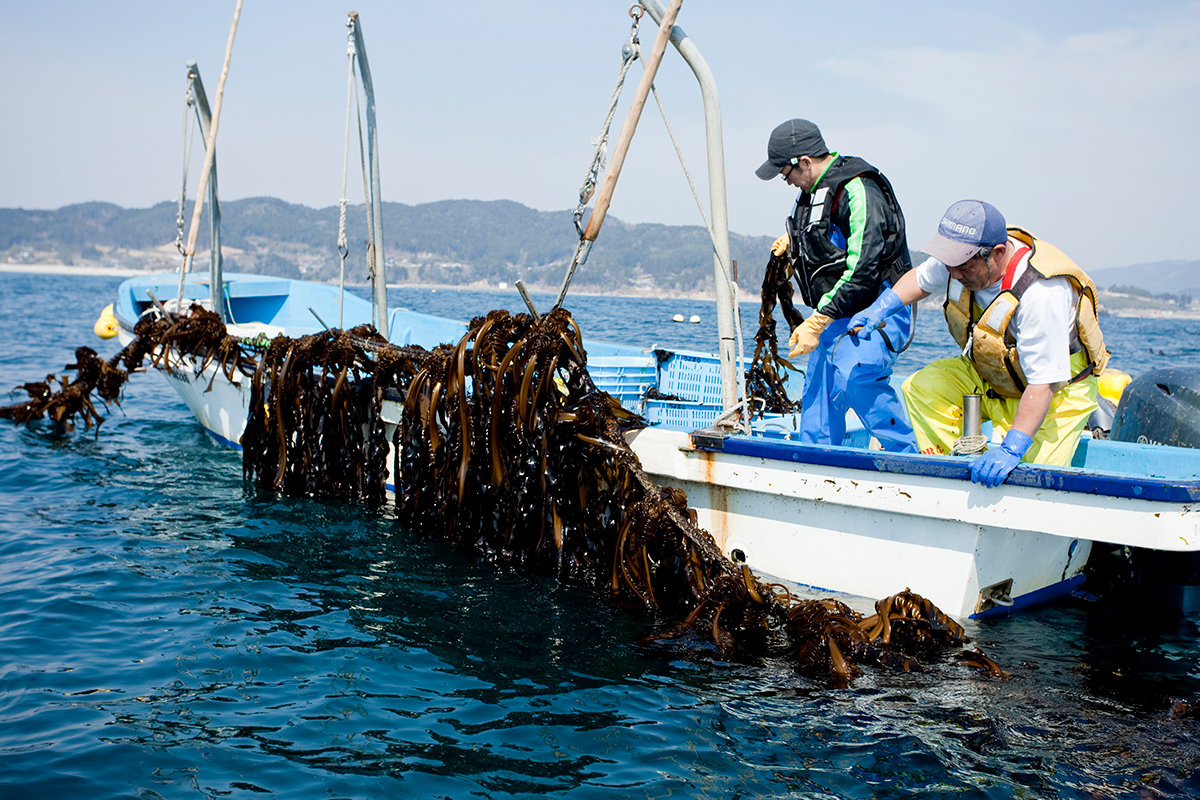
{"x":993,"y":348}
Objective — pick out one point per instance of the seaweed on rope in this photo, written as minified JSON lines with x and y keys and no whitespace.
{"x":505,"y":446}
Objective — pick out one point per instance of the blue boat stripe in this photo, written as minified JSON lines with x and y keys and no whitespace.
{"x":1065,"y":479}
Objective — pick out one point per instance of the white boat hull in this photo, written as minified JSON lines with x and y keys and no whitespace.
{"x":221,"y":406}
{"x":876,"y":534}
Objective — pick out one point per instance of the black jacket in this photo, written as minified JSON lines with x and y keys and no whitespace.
{"x":856,"y":199}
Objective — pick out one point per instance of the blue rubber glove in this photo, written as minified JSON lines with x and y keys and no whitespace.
{"x":872,"y":317}
{"x":993,"y":467}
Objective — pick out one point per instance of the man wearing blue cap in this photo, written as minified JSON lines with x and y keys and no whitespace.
{"x":846,"y":242}
{"x":1025,"y":316}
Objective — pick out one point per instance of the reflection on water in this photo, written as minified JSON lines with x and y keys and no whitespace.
{"x":168,"y":631}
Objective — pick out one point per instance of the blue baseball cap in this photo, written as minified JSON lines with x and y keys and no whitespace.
{"x":965,"y":227}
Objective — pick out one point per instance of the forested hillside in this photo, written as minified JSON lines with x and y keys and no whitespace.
{"x":454,"y":242}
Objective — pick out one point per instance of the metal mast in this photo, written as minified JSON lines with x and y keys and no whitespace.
{"x":216,"y":278}
{"x":375,"y":245}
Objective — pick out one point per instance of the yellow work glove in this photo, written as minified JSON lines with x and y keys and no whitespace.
{"x":780,"y":247}
{"x":804,"y":338}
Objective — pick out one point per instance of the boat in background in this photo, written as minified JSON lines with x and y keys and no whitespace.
{"x":847,"y":519}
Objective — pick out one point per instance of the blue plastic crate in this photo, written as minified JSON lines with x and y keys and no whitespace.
{"x":693,"y":377}
{"x":625,"y":378}
{"x":681,"y":416}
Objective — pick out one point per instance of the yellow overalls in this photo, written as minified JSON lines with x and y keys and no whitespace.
{"x":934,"y":395}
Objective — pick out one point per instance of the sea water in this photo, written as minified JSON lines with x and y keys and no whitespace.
{"x":169,"y":631}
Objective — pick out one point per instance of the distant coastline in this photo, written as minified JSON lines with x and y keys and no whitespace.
{"x":748,"y":295}
{"x":70,"y":269}
{"x":468,"y":245}
{"x":478,"y":286}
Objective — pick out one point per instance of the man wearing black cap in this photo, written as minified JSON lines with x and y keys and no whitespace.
{"x":846,"y":240}
{"x":1025,"y":317}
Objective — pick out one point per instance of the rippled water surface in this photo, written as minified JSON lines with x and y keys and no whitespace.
{"x":168,"y":631}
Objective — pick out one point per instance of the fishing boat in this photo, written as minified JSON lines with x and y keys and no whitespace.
{"x":847,"y":519}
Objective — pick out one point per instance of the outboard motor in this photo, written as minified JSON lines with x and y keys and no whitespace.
{"x":1160,"y":407}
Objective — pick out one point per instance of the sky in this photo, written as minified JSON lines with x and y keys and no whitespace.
{"x":1078,"y":119}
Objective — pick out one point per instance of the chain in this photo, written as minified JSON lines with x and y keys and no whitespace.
{"x":188,"y":137}
{"x":630,"y":52}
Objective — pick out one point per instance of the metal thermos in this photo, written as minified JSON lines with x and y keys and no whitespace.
{"x":972,"y":415}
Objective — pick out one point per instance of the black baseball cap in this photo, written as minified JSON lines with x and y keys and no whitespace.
{"x":792,"y":139}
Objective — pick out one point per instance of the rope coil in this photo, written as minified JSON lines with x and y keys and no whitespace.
{"x":969,"y":445}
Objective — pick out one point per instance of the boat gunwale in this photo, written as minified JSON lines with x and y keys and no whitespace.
{"x":1074,"y":480}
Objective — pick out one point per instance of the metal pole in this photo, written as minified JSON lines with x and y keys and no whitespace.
{"x":528,"y":300}
{"x":210,"y":152}
{"x":726,"y":332}
{"x":216,"y":288}
{"x":376,"y":197}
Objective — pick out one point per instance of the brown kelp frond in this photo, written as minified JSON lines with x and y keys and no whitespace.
{"x":165,"y":338}
{"x":314,"y":427}
{"x":905,"y":628}
{"x":73,"y":398}
{"x":764,"y":383}
{"x":531,"y":465}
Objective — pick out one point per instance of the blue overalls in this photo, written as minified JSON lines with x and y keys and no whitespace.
{"x":846,"y":372}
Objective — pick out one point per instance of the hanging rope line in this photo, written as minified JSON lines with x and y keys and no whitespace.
{"x":343,"y":245}
{"x":725,"y":272}
{"x":188,"y":137}
{"x":630,"y":52}
{"x":210,"y":154}
{"x":604,"y":197}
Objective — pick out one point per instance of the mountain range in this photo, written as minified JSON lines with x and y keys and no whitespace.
{"x":457,"y":242}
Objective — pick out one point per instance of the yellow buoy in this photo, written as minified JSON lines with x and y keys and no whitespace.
{"x":1112,"y":384}
{"x":106,"y":324}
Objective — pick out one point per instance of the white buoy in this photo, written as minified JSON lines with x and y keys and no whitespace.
{"x":695,"y":318}
{"x":677,"y":318}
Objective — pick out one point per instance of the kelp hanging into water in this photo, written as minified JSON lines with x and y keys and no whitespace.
{"x":163,"y":337}
{"x":504,"y":445}
{"x":314,"y":426}
{"x":764,"y":384}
